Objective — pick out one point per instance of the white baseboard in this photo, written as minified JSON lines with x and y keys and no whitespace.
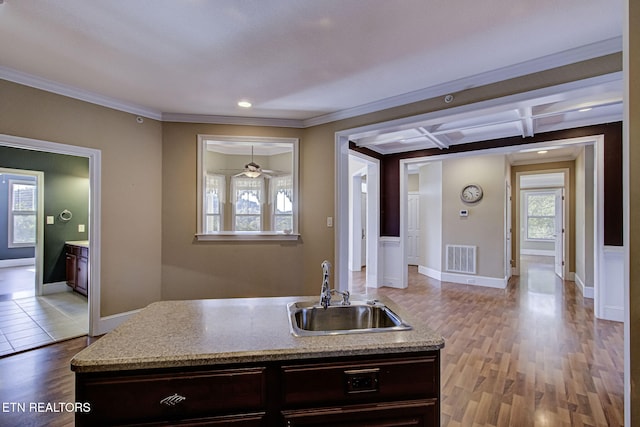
{"x":392,"y":282}
{"x":18,"y":262}
{"x":430,"y":272}
{"x":614,"y":313}
{"x":55,"y":288}
{"x":540,"y":252}
{"x":465,"y":279}
{"x":109,"y":323}
{"x":586,"y":291}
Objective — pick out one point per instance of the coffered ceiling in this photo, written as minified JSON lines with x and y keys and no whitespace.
{"x":307,"y":62}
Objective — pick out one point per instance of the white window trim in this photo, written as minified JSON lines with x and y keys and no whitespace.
{"x":11,"y":214}
{"x":200,"y":236}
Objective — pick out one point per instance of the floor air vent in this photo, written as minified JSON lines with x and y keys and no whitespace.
{"x":461,"y":259}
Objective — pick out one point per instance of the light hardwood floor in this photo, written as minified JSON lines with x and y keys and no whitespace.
{"x":530,"y":355}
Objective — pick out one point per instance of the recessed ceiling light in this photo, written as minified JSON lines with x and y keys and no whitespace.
{"x":542,"y":152}
{"x":244,"y":104}
{"x":582,"y":110}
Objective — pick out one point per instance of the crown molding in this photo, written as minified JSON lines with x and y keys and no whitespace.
{"x":231,"y":120}
{"x":582,"y":53}
{"x":75,"y":93}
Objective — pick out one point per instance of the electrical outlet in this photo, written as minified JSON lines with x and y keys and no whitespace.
{"x":81,"y":228}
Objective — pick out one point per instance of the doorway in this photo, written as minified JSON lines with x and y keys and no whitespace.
{"x":544,"y":217}
{"x":364,"y":218}
{"x":91,"y":225}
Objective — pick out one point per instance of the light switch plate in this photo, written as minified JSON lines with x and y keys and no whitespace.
{"x":50,"y":219}
{"x":329,"y":221}
{"x":81,"y":228}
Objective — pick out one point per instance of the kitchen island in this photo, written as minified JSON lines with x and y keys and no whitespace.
{"x":235,"y":362}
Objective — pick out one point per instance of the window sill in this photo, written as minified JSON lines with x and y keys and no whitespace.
{"x":231,"y":236}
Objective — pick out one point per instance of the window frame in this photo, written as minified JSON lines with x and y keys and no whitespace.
{"x":527,"y":216}
{"x":11,"y":214}
{"x":201,"y":235}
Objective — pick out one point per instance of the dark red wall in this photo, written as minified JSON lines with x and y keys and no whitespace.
{"x":390,"y":174}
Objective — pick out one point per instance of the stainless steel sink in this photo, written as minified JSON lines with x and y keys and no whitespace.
{"x":310,"y":319}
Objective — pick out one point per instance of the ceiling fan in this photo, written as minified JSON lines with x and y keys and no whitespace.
{"x":253,"y":170}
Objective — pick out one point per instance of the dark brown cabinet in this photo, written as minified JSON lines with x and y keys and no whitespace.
{"x":77,"y":268}
{"x":383,"y":390}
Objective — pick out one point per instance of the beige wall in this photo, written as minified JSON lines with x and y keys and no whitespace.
{"x":484,"y":227}
{"x":131,"y":183}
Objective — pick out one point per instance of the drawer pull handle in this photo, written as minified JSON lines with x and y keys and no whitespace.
{"x":173,"y":400}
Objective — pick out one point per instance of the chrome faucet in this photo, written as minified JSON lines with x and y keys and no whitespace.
{"x":326,"y":291}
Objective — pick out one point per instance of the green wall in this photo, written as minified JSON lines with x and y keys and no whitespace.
{"x":66,"y":186}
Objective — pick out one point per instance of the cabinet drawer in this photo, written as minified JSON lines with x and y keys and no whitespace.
{"x":171,"y":396}
{"x":362,"y":381}
{"x":418,"y":413}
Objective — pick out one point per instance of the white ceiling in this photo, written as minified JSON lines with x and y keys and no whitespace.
{"x":305,"y":62}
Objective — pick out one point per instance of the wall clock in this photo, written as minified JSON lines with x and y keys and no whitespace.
{"x":471,"y":193}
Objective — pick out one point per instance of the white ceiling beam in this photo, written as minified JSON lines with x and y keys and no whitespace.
{"x":526,"y":121}
{"x":432,"y":138}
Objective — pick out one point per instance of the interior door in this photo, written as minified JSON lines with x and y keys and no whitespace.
{"x":559,"y":234}
{"x":413,"y":229}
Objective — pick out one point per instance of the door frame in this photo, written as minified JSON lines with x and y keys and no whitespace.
{"x":95,"y":174}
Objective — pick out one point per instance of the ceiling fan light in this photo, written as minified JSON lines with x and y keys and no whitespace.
{"x":252,"y":174}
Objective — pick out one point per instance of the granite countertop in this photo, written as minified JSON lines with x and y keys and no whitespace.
{"x":83,"y":243}
{"x":170,"y":334}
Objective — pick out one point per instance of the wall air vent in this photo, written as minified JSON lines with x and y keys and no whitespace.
{"x":461,"y":259}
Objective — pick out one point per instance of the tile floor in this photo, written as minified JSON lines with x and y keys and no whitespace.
{"x":27,"y":321}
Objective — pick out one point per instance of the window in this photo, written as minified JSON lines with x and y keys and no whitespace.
{"x":247,"y":188}
{"x":247,"y":203}
{"x":282,"y":203}
{"x":541,"y":215}
{"x":22,"y":213}
{"x":214,"y":195}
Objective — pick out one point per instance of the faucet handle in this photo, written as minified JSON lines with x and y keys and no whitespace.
{"x":345,"y":298}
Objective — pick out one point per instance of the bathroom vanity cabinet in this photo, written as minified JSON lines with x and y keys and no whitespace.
{"x":196,"y":363}
{"x":77,"y":266}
